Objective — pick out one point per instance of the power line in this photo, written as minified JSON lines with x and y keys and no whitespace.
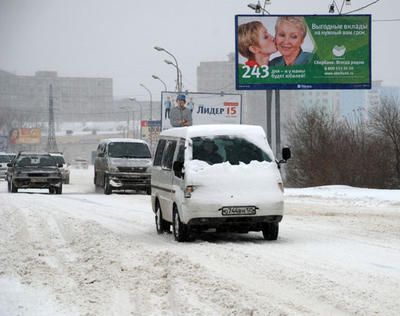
{"x":363,"y":7}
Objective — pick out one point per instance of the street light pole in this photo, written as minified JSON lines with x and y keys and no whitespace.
{"x":158,"y":78}
{"x":178,"y":79}
{"x":141,"y":114}
{"x":151,"y":114}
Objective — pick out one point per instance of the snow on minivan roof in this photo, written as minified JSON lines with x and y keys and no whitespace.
{"x":123,"y":140}
{"x":214,"y":130}
{"x":253,"y":133}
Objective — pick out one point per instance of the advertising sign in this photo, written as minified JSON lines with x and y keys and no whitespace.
{"x":205,"y":108}
{"x":24,"y":136}
{"x":303,"y":52}
{"x":150,"y":131}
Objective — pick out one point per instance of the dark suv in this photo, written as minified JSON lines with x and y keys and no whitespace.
{"x":36,"y":171}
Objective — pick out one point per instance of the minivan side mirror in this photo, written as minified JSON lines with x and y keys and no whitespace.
{"x":286,"y":153}
{"x":178,"y":167}
{"x":100,"y":154}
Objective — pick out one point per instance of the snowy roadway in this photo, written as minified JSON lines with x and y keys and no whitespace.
{"x":85,"y":253}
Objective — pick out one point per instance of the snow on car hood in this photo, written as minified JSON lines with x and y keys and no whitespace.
{"x":130,"y":162}
{"x":238,"y":182}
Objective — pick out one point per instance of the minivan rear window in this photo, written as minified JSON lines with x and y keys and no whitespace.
{"x":230,"y":149}
{"x":128,"y":150}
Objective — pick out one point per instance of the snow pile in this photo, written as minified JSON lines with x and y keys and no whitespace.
{"x":340,"y":194}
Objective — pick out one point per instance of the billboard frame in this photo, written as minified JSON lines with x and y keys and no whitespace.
{"x":301,"y":86}
{"x":186,"y":93}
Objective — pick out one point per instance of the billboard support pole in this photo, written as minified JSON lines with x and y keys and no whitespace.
{"x":269,"y":116}
{"x":277,"y":123}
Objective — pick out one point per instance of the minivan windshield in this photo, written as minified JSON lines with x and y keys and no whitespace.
{"x":128,"y":150}
{"x":230,"y":149}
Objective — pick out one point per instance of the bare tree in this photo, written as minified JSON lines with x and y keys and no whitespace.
{"x":327,"y":150}
{"x":385,"y":121}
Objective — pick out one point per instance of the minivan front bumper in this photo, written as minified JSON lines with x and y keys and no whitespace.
{"x":125,"y":180}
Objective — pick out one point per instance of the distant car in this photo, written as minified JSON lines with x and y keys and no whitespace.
{"x":80,"y":163}
{"x":34,"y":170}
{"x":5,"y":158}
{"x":59,"y":157}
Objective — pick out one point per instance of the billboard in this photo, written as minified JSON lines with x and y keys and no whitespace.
{"x":24,"y":136}
{"x":303,"y":52}
{"x":150,"y":131}
{"x":205,"y":108}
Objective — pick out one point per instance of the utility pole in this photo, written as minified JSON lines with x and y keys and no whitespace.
{"x":51,"y":139}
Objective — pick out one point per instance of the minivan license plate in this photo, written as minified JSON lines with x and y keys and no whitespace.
{"x":238,"y":210}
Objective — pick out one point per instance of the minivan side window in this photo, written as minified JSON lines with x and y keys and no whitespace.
{"x":159,"y":152}
{"x":168,"y":154}
{"x":181,"y":153}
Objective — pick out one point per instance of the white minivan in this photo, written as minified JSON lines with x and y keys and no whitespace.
{"x":223,"y":177}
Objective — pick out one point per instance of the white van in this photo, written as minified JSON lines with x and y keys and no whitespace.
{"x":216,"y":176}
{"x":122,"y":163}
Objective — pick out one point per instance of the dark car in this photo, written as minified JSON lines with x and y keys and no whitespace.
{"x":4,"y":160}
{"x":36,"y":171}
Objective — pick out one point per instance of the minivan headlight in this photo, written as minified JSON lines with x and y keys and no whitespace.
{"x":113,"y":168}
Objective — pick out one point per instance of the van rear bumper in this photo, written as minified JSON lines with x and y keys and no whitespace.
{"x":214,"y":222}
{"x":234,"y":224}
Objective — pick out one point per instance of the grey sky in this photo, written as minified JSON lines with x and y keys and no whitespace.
{"x":115,"y":38}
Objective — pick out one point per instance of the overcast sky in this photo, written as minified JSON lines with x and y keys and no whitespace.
{"x":115,"y":38}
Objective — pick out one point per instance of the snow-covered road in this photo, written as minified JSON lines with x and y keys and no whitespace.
{"x":85,"y":253}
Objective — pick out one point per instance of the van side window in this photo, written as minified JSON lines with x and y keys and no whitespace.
{"x":168,"y":154}
{"x":181,"y":153}
{"x":159,"y":152}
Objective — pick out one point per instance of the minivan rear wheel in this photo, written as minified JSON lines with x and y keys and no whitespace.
{"x":270,"y":231}
{"x":161,"y":224}
{"x":181,"y":231}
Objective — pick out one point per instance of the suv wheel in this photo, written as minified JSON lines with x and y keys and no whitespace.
{"x":107,"y":187}
{"x":181,"y":231}
{"x":59,"y":189}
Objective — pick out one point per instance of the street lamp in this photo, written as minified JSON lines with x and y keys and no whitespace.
{"x":158,"y":78}
{"x":257,"y":7}
{"x":179,"y":73}
{"x":178,"y":80}
{"x":151,"y":113}
{"x":141,"y":114}
{"x":127,"y":122}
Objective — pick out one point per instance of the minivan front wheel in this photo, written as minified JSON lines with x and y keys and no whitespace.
{"x":107,"y":186}
{"x":270,"y":231}
{"x":181,"y":231}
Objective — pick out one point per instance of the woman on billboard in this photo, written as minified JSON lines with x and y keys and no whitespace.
{"x":255,"y":43}
{"x":290,"y":32}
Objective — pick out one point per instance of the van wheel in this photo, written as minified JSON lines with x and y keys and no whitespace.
{"x":107,"y":187}
{"x":161,"y":224}
{"x":181,"y":231}
{"x":270,"y":231}
{"x":58,"y":190}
